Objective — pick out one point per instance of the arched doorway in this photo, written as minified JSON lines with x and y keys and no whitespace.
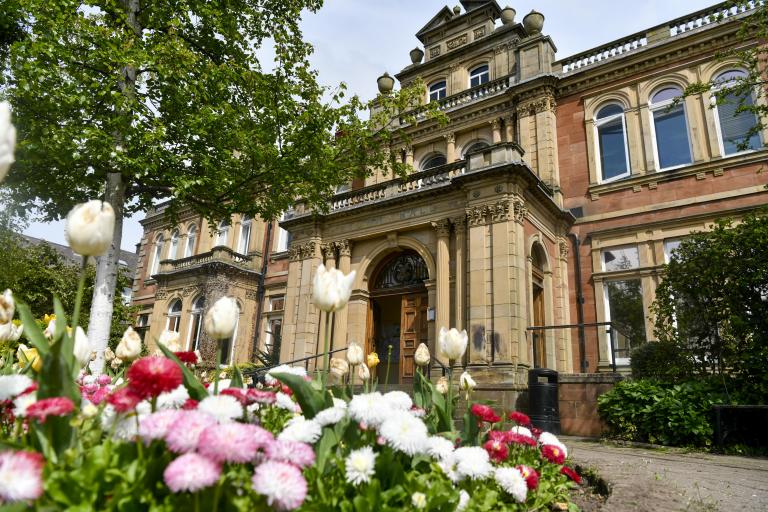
{"x":397,"y":313}
{"x":538,"y":264}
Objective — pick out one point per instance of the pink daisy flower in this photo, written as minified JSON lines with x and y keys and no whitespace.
{"x":155,"y":426}
{"x":281,"y":483}
{"x":261,"y":396}
{"x":191,"y":472}
{"x":152,"y":375}
{"x":184,"y":433}
{"x":295,"y":452}
{"x":58,"y":406}
{"x":233,"y":442}
{"x":21,"y":476}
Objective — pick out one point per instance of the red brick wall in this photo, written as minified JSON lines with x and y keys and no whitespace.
{"x":577,"y":396}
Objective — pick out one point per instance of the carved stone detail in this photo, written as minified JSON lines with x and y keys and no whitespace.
{"x":479,"y":32}
{"x":161,"y":294}
{"x":434,"y":52}
{"x":520,"y":211}
{"x":329,"y":250}
{"x":460,"y":224}
{"x":450,"y":138}
{"x":456,"y":42}
{"x":500,"y":49}
{"x":345,"y":248}
{"x":563,"y":244}
{"x":443,"y":227}
{"x":301,"y":251}
{"x":491,"y":213}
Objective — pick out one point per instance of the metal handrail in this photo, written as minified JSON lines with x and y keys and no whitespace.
{"x":610,"y":329}
{"x":265,"y":369}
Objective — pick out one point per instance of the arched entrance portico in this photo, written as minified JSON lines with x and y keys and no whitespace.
{"x":397,"y":312}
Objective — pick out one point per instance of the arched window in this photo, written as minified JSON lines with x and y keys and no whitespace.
{"x":670,"y":129}
{"x":174,"y":316}
{"x":433,"y":161}
{"x":174,"y":245}
{"x":611,"y":143}
{"x":735,"y":124}
{"x":283,"y":237}
{"x":475,"y":146}
{"x":189,"y":247}
{"x":437,"y":91}
{"x":245,"y":235}
{"x":196,"y":325}
{"x":222,"y":235}
{"x":157,"y":254}
{"x":479,"y":75}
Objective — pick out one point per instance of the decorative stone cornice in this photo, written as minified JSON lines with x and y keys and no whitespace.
{"x":443,"y":227}
{"x":497,"y":211}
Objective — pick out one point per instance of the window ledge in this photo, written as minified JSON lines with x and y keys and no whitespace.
{"x":149,"y":282}
{"x":281,"y":255}
{"x":637,"y":180}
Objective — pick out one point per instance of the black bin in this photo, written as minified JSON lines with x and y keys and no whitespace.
{"x":542,"y":400}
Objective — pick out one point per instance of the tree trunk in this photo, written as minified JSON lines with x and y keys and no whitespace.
{"x":107,"y":267}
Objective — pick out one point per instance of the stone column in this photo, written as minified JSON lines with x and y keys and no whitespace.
{"x":519,"y":212}
{"x":409,"y":156}
{"x":340,"y":324}
{"x":329,"y":253}
{"x":460,"y":226}
{"x":478,"y":279}
{"x":509,"y":129}
{"x":450,"y":152}
{"x":443,"y":291}
{"x":496,"y":126}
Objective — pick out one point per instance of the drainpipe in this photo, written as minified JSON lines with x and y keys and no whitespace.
{"x":260,"y":292}
{"x":579,"y":303}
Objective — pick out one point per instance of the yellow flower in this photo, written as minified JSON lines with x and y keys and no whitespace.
{"x":373,"y":360}
{"x":27,"y":356}
{"x":48,"y":318}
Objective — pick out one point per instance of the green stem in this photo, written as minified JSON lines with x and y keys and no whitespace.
{"x":351,"y":380}
{"x":197,"y":502}
{"x":326,"y":349}
{"x":216,"y":368}
{"x":217,"y":496}
{"x":79,"y":296}
{"x":389,"y":359}
{"x":449,"y":402}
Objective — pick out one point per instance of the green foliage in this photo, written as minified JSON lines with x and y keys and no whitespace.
{"x":663,"y":361}
{"x":648,"y":411}
{"x":713,"y":303}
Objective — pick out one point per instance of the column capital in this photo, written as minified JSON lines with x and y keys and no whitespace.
{"x":344,"y":247}
{"x":329,"y":250}
{"x":443,"y":228}
{"x":460,"y":224}
{"x":496,"y":123}
{"x":450,"y":137}
{"x":519,"y":208}
{"x":409,"y":150}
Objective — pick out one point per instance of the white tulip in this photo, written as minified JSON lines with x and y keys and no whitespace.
{"x":115,"y":363}
{"x":466,"y":382}
{"x":129,"y":347}
{"x":10,"y":332}
{"x":7,"y":139}
{"x":108,"y":354}
{"x":170,"y":339}
{"x":442,"y":385}
{"x":82,"y":348}
{"x":422,"y":355}
{"x":452,"y":343}
{"x":89,"y":228}
{"x":363,"y":372}
{"x":331,"y":289}
{"x":50,"y":329}
{"x":339,"y":367}
{"x":221,"y":319}
{"x":355,"y":355}
{"x":7,"y":307}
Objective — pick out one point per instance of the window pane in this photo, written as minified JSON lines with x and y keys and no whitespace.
{"x":666,"y":94}
{"x":478,"y":76}
{"x":437,"y":91}
{"x":434,"y":162}
{"x":620,"y":258}
{"x":671,"y":137}
{"x":613,"y":156}
{"x":625,"y":308}
{"x":670,"y":246}
{"x":735,"y":126}
{"x":609,"y":110}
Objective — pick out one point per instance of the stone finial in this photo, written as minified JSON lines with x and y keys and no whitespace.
{"x":386,"y":83}
{"x":508,"y":15}
{"x":416,"y":55}
{"x":456,"y":10}
{"x":533,"y":23}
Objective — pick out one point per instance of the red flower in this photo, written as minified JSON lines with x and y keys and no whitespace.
{"x":570,"y":473}
{"x":262,"y":397}
{"x":498,"y":435}
{"x":238,"y":393}
{"x":187,"y":357}
{"x":124,"y":399}
{"x":513,"y":437}
{"x":536,"y":431}
{"x":553,"y":454}
{"x":150,"y":376}
{"x":519,"y":418}
{"x":485,"y":413}
{"x":497,"y":450}
{"x":190,"y":404}
{"x":285,"y":389}
{"x":58,"y":406}
{"x":530,"y":475}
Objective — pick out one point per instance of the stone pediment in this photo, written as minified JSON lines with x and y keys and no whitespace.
{"x":447,"y":21}
{"x":440,"y":19}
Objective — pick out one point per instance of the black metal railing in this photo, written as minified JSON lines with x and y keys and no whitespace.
{"x":538,"y":338}
{"x":258,"y":373}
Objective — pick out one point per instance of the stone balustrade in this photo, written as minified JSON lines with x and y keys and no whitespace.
{"x":218,"y":254}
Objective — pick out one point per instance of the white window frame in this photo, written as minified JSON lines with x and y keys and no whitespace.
{"x":620,"y":361}
{"x":192,"y":337}
{"x":174,"y":248}
{"x":174,"y":315}
{"x":244,"y":240}
{"x":281,"y":242}
{"x":654,"y":107}
{"x":598,"y":123}
{"x":157,"y":255}
{"x":437,"y":91}
{"x":487,"y":74}
{"x":222,"y":233}
{"x":716,"y":114}
{"x":189,"y":246}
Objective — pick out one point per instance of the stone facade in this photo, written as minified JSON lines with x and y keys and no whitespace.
{"x":502,"y":205}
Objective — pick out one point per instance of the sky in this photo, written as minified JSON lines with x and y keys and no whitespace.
{"x":357,"y":40}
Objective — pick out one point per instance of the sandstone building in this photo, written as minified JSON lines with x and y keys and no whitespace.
{"x":553,"y":196}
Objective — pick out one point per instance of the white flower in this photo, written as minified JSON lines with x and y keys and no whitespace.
{"x":472,"y":462}
{"x":108,"y":354}
{"x":173,"y":399}
{"x":398,"y":400}
{"x":10,"y":332}
{"x":452,"y":343}
{"x":404,"y":432}
{"x":21,"y":403}
{"x":363,"y":372}
{"x":129,"y":347}
{"x":360,"y":465}
{"x":463,"y":501}
{"x":330,"y":416}
{"x":551,"y":439}
{"x":466,"y":382}
{"x":419,"y":500}
{"x":7,"y":305}
{"x":12,"y":386}
{"x":355,"y":354}
{"x":221,"y":319}
{"x":301,"y":429}
{"x":339,"y":367}
{"x":82,"y":349}
{"x":449,"y":467}
{"x":170,"y":339}
{"x":512,"y":481}
{"x":442,"y":385}
{"x":284,"y":368}
{"x":368,"y":409}
{"x":89,"y":228}
{"x":522,"y":431}
{"x":439,"y":447}
{"x":331,"y":288}
{"x":284,"y":401}
{"x":7,"y":139}
{"x":115,"y":363}
{"x":88,"y":409}
{"x":222,"y":407}
{"x":421,"y":357}
{"x":50,"y":329}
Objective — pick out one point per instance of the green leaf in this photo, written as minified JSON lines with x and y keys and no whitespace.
{"x":196,"y":390}
{"x":32,"y":330}
{"x":237,"y":378}
{"x":311,"y":400}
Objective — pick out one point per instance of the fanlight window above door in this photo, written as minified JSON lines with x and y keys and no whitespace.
{"x":403,"y":271}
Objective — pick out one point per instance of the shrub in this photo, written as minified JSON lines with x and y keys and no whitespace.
{"x":649,"y":411}
{"x":663,"y":361}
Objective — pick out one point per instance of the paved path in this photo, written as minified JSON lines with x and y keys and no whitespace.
{"x":645,"y":479}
